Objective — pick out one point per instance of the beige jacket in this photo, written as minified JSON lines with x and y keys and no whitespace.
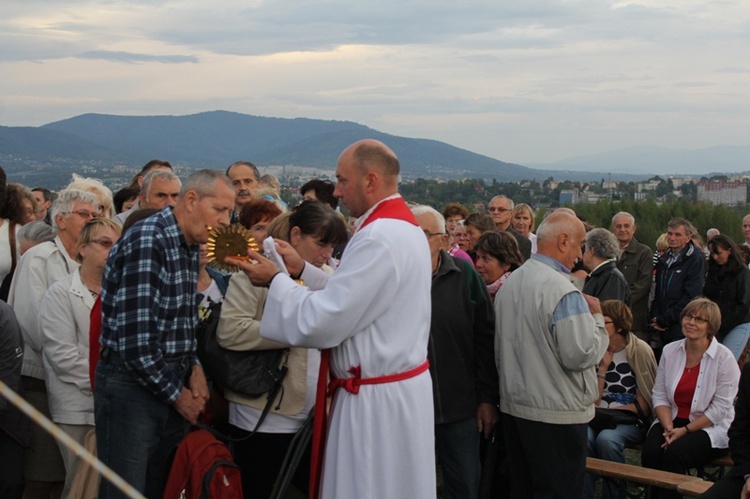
{"x":239,"y":329}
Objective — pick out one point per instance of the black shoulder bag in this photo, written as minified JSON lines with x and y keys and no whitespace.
{"x":248,"y":373}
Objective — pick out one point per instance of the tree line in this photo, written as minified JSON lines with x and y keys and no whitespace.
{"x":651,"y":218}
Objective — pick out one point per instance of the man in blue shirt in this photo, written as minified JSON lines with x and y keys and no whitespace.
{"x":149,"y":384}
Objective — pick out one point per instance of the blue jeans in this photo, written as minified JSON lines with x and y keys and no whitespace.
{"x":736,"y":339}
{"x":610,"y":445}
{"x":457,"y":447}
{"x":131,"y":423}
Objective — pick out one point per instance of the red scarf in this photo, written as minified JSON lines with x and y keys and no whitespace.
{"x":397,"y":209}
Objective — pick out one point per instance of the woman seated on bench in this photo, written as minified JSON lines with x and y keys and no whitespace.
{"x":625,"y":378}
{"x":695,"y":387}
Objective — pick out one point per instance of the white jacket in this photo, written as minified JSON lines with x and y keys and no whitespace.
{"x":38,"y":269}
{"x":64,"y":322}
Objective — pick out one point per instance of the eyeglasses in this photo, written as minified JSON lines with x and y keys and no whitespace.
{"x":86,"y":214}
{"x":501,"y":210}
{"x":698,"y":320}
{"x":104,"y":243}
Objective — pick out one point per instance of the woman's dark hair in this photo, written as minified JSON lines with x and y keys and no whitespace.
{"x":256,"y":210}
{"x":502,"y":246}
{"x":154,"y":163}
{"x":14,"y":209}
{"x":621,"y":315}
{"x":480,"y":221}
{"x":734,"y":262}
{"x":3,"y":183}
{"x":123,"y":195}
{"x":137,"y":216}
{"x":323,"y":191}
{"x":319,"y":220}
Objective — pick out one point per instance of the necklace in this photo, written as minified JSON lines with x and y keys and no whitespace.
{"x":94,"y":294}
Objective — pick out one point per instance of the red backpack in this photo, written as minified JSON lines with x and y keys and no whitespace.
{"x":203,"y":469}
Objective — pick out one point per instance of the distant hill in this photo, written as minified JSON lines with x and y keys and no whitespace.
{"x":646,"y":160}
{"x":218,"y":138}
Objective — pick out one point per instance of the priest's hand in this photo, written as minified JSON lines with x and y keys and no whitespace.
{"x":294,"y":263}
{"x":260,"y":270}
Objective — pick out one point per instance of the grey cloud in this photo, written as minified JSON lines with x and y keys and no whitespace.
{"x":129,"y":57}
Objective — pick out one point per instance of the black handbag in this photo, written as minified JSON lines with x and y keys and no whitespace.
{"x":608,"y":419}
{"x":248,"y":373}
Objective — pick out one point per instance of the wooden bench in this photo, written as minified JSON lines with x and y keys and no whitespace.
{"x":645,"y":476}
{"x":694,"y":488}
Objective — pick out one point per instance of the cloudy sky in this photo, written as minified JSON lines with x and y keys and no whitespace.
{"x":521,"y":81}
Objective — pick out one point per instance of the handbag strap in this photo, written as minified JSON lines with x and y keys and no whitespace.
{"x":641,"y":414}
{"x":272,"y":394}
{"x":13,"y":255}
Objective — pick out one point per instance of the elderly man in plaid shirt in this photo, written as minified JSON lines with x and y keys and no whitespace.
{"x":149,"y":385}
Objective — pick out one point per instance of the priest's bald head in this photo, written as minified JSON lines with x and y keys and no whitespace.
{"x":366,"y":172}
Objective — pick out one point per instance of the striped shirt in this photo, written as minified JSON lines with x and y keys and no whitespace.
{"x":150,"y":301}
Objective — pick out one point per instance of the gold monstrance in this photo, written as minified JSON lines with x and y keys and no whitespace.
{"x":231,"y":240}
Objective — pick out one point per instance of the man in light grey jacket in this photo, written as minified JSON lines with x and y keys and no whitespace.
{"x":549,"y":339}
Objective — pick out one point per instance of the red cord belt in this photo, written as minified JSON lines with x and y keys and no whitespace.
{"x":351,"y":385}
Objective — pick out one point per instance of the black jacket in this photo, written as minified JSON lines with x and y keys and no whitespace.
{"x":675,"y":287}
{"x":607,"y":283}
{"x":461,"y":347}
{"x":524,"y":243}
{"x":739,"y":432}
{"x":12,"y":421}
{"x":731,"y":291}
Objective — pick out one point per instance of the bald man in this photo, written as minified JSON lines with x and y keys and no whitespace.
{"x":372,"y":318}
{"x":549,"y":338}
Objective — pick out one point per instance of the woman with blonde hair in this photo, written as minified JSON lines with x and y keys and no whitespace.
{"x":693,"y":396}
{"x":103,"y":194}
{"x":64,"y":319}
{"x":523,"y":223}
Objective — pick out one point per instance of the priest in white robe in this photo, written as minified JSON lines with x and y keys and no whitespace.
{"x":373,"y":314}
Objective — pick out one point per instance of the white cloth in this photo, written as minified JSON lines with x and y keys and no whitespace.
{"x":38,"y":269}
{"x":374,"y":312}
{"x":532,"y":238}
{"x":5,"y":256}
{"x":714,"y":392}
{"x":64,"y":319}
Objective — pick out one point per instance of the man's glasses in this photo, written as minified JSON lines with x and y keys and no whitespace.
{"x":501,"y":210}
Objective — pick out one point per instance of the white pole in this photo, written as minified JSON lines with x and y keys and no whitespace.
{"x":63,"y":437}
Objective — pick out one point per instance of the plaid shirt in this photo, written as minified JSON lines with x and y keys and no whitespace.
{"x":150,"y":301}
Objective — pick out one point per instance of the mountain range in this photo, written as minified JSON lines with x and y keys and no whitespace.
{"x":110,"y":147}
{"x":646,"y":160}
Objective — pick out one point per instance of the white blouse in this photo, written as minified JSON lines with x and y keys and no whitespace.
{"x":714,"y":392}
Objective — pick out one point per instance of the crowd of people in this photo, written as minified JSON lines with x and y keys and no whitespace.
{"x":502,"y":347}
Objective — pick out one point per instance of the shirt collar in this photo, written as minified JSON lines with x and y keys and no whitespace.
{"x":366,"y":214}
{"x":551,"y":262}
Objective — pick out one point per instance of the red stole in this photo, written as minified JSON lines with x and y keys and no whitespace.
{"x":397,"y":209}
